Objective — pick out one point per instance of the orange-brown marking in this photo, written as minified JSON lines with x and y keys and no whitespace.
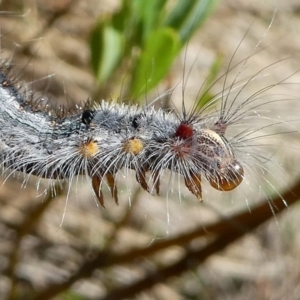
{"x":134,"y":146}
{"x":89,"y":149}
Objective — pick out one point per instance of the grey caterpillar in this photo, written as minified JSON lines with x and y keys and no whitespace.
{"x":99,"y":141}
{"x":249,"y":126}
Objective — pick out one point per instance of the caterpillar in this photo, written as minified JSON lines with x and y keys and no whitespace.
{"x":98,"y":141}
{"x":101,"y":140}
{"x":250,"y":123}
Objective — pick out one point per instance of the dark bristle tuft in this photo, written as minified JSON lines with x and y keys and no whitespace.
{"x":87,"y":116}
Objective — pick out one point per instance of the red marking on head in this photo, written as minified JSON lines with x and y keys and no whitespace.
{"x":184,"y":130}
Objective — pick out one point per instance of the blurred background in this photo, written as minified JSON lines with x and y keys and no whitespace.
{"x":58,"y":244}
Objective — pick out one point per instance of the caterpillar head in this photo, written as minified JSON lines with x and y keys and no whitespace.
{"x":212,"y":156}
{"x":221,"y":168}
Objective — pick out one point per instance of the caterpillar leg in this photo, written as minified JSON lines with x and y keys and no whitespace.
{"x":113,"y":187}
{"x":156,"y":181}
{"x":193,"y":183}
{"x":96,"y":183}
{"x":141,"y":179}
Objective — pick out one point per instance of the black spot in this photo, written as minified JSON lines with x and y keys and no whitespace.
{"x":135,"y":121}
{"x":87,"y":116}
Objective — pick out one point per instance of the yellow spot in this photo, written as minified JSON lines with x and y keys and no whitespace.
{"x":134,"y":146}
{"x":89,"y":149}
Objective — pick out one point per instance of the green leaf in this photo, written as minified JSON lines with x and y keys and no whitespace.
{"x":151,"y":13}
{"x":107,"y":46}
{"x":188,"y":15}
{"x":161,"y":48}
{"x":127,"y":21}
{"x":179,"y":13}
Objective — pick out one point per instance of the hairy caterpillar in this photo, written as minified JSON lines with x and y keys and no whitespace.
{"x":258,"y":138}
{"x":99,"y":141}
